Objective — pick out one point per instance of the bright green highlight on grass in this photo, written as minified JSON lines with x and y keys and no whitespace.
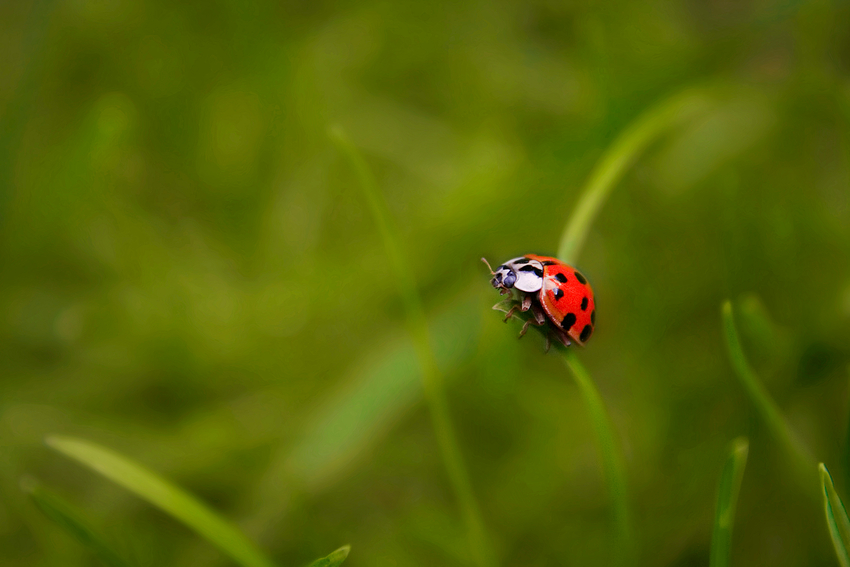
{"x":164,"y":495}
{"x":761,"y":398}
{"x":418,"y":327}
{"x":334,"y":559}
{"x":612,"y":462}
{"x":727,"y":499}
{"x":836,"y":517}
{"x":618,"y":158}
{"x":67,"y":517}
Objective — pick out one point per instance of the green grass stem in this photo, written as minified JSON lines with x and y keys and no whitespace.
{"x":418,"y":328}
{"x":727,"y":499}
{"x":612,"y":461}
{"x":617,"y":159}
{"x":608,"y":171}
{"x":335,"y":559}
{"x":164,"y":495}
{"x":836,"y":517}
{"x":69,"y":518}
{"x":845,"y":452}
{"x":762,"y":400}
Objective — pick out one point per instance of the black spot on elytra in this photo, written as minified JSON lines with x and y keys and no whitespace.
{"x":522,"y":261}
{"x":584,"y":304}
{"x":537,"y":271}
{"x":561,"y":277}
{"x":580,"y":278}
{"x":569,"y":321}
{"x":558,"y":293}
{"x":593,"y":316}
{"x":585,"y":333}
{"x":548,"y":263}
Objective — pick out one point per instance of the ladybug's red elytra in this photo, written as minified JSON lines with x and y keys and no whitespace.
{"x":555,"y":293}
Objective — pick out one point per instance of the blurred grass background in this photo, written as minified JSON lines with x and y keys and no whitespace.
{"x":189,"y":274}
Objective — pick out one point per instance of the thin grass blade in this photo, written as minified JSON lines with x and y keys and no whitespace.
{"x":608,"y":171}
{"x":762,"y":400}
{"x":612,"y":461}
{"x":836,"y":517}
{"x":432,"y":379}
{"x":845,"y":453}
{"x":69,"y":518}
{"x":334,"y":559}
{"x":617,"y":159}
{"x":727,"y":499}
{"x":164,"y":495}
{"x":368,"y":400}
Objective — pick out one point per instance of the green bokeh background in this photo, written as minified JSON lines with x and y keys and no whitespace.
{"x":190,"y":275}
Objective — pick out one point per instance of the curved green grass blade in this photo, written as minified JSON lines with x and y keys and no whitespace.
{"x":164,"y":495}
{"x":845,"y":452}
{"x":334,"y":559}
{"x":761,"y":399}
{"x":432,"y":379}
{"x":727,"y":499}
{"x":618,"y":158}
{"x":836,"y":517}
{"x":68,"y":517}
{"x":608,"y":171}
{"x":612,"y":461}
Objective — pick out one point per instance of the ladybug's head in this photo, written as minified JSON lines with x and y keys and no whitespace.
{"x":503,"y":278}
{"x":523,"y":273}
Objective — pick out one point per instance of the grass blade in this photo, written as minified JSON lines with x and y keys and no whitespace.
{"x":845,"y":452}
{"x":618,"y":158}
{"x":608,"y":171}
{"x":727,"y":499}
{"x":836,"y":517}
{"x":432,"y":380}
{"x":761,"y":398}
{"x":163,"y":494}
{"x":67,"y":517}
{"x":373,"y":396}
{"x":334,"y":559}
{"x":612,"y":462}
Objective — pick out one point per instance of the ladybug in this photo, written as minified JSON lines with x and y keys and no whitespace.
{"x":555,"y":293}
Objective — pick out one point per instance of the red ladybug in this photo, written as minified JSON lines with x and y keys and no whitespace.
{"x":556,"y":294}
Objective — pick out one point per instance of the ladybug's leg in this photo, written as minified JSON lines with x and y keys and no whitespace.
{"x":539,"y":314}
{"x":561,"y":335}
{"x":510,"y":313}
{"x":526,"y":302}
{"x":539,"y":318}
{"x":525,"y":327}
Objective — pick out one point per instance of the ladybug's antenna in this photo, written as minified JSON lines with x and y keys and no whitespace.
{"x":492,"y":273}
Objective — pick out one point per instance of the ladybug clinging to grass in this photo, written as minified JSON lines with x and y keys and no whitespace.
{"x":555,"y":294}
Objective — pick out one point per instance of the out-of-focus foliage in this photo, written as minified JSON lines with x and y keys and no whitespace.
{"x":164,"y":495}
{"x":189,"y":274}
{"x":64,"y":515}
{"x":334,"y":559}
{"x":836,"y":517}
{"x":727,"y":499}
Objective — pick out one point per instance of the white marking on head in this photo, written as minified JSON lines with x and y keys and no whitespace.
{"x":529,"y":274}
